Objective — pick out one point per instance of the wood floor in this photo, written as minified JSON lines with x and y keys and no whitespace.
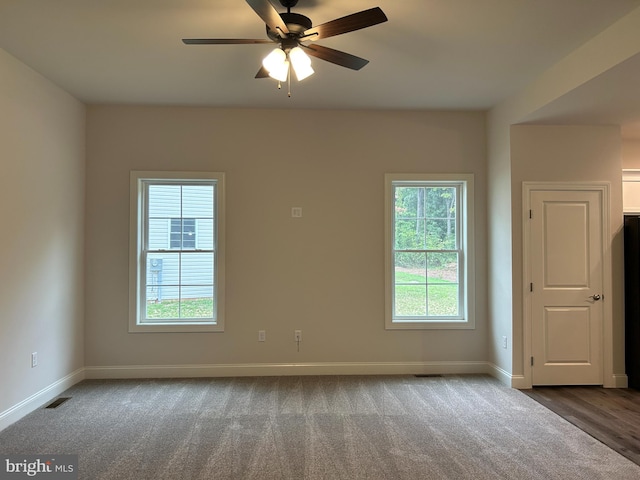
{"x":610,"y":415}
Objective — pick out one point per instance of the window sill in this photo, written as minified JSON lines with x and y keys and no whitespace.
{"x":175,"y":328}
{"x":429,"y":325}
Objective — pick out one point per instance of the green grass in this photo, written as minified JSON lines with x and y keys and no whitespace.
{"x":406,"y":277}
{"x":188,"y":308}
{"x":411,"y":300}
{"x":438,"y":298}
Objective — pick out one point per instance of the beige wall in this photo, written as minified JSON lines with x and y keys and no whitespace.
{"x":41,"y":247}
{"x":631,"y":154}
{"x":500,"y":260}
{"x":322,"y":273}
{"x":595,"y":57}
{"x":566,"y":154}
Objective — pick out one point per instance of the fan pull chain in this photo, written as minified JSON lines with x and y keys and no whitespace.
{"x":288,"y":83}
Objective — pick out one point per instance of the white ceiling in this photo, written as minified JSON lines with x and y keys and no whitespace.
{"x":431,"y":54}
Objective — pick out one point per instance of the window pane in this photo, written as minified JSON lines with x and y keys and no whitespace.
{"x":183,"y":233}
{"x":185,"y":302}
{"x":197,"y":201}
{"x":155,"y":269}
{"x":409,"y":234}
{"x":410,"y":268}
{"x":205,"y":234}
{"x":176,"y":233}
{"x":197,"y":302}
{"x":197,"y":269}
{"x":188,"y":233}
{"x":167,"y":270}
{"x":440,"y":202}
{"x":158,"y":234}
{"x":442,"y":267}
{"x":441,"y":234}
{"x":189,"y":225}
{"x":443,"y":300}
{"x":410,"y":300}
{"x":164,"y":201}
{"x":410,"y":262}
{"x":406,"y":202}
{"x":410,"y":276}
{"x":162,"y":302}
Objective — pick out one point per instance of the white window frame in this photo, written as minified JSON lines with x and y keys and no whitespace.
{"x":137,"y":271}
{"x":465,"y":216}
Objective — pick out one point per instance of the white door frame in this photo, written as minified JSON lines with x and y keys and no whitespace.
{"x":609,"y":380}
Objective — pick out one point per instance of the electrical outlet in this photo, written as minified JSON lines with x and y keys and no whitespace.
{"x":297,"y":336}
{"x":504,"y":342}
{"x":262,"y":336}
{"x":34,"y":359}
{"x":296,"y":212}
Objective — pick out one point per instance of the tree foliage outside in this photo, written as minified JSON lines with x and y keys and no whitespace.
{"x":426,"y":253}
{"x":425,"y":219}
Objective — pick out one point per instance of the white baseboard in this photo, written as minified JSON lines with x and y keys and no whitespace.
{"x":29,"y":404}
{"x":275,"y":369}
{"x":520,"y":382}
{"x":618,"y":380}
{"x":513,"y":381}
{"x":500,"y":374}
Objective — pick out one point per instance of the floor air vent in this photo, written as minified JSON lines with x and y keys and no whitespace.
{"x":427,"y":375}
{"x":57,"y":402}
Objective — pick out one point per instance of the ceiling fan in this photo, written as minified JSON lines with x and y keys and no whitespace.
{"x":290,"y":30}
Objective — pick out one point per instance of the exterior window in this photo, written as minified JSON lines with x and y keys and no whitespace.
{"x":177,"y":252}
{"x":183,"y":233}
{"x":429,"y":251}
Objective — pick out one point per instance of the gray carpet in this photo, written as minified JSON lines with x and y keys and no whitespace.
{"x":372,"y":427}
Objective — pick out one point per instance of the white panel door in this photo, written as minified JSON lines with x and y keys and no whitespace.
{"x":566,"y":289}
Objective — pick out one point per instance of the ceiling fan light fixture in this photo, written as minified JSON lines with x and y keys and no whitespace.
{"x":301,"y":63}
{"x":289,"y":29}
{"x":280,"y":72}
{"x":275,"y":60}
{"x":277,"y":65}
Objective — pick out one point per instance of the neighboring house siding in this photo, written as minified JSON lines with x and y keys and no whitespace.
{"x":163,"y":268}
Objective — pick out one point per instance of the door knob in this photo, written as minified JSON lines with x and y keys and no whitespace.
{"x":595,"y":297}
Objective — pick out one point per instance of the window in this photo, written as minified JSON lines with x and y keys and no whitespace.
{"x":429,"y":251}
{"x":183,"y":233}
{"x":177,"y":252}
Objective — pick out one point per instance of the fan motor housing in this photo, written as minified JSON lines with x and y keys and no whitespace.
{"x":296,"y":24}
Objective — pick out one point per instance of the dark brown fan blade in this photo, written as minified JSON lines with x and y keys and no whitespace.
{"x":350,"y":23}
{"x":335,"y":56}
{"x":262,"y":73}
{"x":223,"y":41}
{"x":269,"y":15}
